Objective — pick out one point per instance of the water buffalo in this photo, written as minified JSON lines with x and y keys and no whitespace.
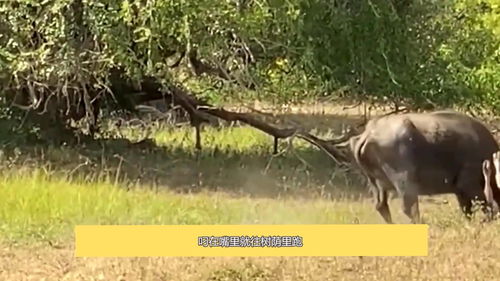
{"x":440,"y":152}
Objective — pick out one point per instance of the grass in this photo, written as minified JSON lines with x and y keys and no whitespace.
{"x":172,"y":162}
{"x":37,"y":206}
{"x":46,"y":191}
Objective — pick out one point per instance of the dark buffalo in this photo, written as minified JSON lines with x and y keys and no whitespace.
{"x":425,"y":154}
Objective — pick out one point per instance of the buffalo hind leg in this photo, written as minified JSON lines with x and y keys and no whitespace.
{"x":381,"y":199}
{"x":404,"y":184}
{"x":382,"y":206}
{"x":469,"y":189}
{"x":465,"y":204}
{"x":410,"y":207}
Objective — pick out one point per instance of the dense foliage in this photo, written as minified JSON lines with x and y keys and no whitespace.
{"x":423,"y":52}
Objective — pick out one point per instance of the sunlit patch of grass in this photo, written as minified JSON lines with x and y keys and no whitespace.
{"x":233,"y":159}
{"x":38,"y":206}
{"x":235,"y":139}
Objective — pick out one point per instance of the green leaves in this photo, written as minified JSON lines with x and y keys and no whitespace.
{"x":442,"y":51}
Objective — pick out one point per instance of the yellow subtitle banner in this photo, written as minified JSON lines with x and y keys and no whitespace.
{"x":251,"y":240}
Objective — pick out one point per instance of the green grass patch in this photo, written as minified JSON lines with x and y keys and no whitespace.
{"x":35,"y":205}
{"x":234,"y":139}
{"x":232,"y":159}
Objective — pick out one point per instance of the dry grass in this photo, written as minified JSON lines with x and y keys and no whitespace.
{"x":458,"y":251}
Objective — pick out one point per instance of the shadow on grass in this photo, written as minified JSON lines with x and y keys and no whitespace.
{"x":173,"y":163}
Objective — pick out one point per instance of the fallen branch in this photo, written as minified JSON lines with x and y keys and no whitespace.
{"x":197,"y":110}
{"x":201,"y":111}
